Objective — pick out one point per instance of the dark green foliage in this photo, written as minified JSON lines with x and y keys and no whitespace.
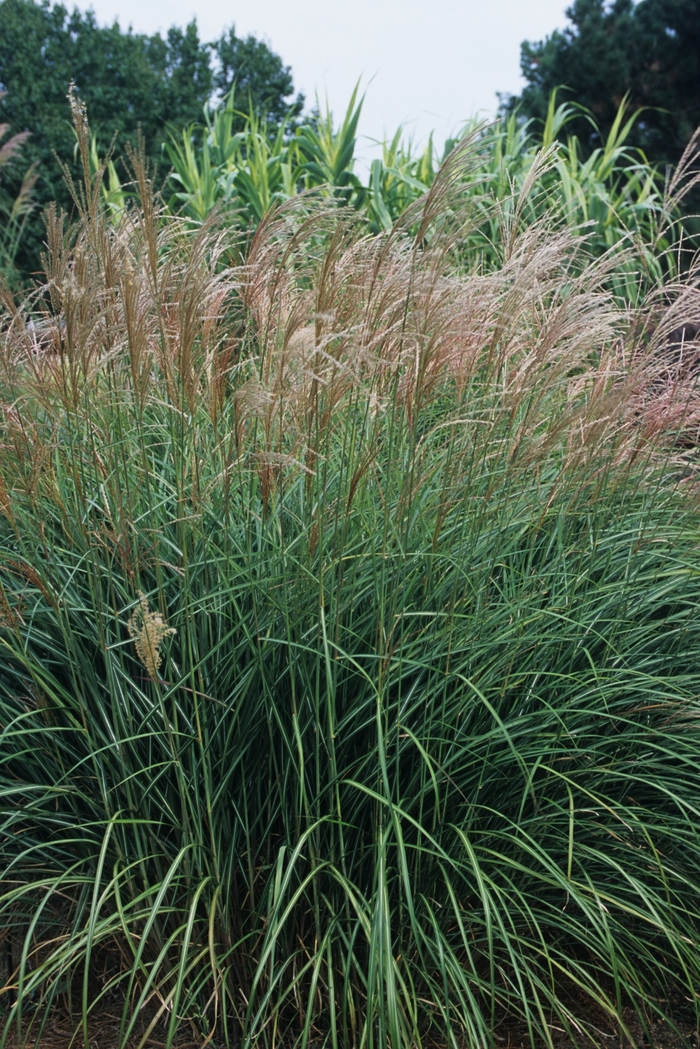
{"x":262,"y":82}
{"x":650,"y":51}
{"x":127,"y":80}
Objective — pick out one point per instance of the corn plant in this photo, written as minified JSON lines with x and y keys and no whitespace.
{"x":329,"y":154}
{"x":259,"y":167}
{"x":612,"y":198}
{"x":396,"y":180}
{"x":114,"y":193}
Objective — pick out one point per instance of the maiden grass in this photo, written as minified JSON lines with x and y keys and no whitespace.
{"x":419,"y":759}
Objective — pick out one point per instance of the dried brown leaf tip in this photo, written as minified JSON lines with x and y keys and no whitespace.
{"x":148,"y":629}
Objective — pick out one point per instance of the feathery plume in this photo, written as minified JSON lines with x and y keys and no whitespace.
{"x":148,"y":629}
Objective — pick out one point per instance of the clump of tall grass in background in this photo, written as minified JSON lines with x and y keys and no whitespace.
{"x":14,"y":209}
{"x":349,"y":606}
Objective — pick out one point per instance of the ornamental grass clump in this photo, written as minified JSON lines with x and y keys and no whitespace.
{"x":349,"y":631}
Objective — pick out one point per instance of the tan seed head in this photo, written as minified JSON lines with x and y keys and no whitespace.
{"x":148,"y":629}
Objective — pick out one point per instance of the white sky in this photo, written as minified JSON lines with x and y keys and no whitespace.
{"x":427,"y":64}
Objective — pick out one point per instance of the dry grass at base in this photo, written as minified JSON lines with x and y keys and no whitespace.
{"x":61,"y":1033}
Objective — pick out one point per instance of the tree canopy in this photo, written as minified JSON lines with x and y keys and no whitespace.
{"x":129,"y":81}
{"x":649,"y":51}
